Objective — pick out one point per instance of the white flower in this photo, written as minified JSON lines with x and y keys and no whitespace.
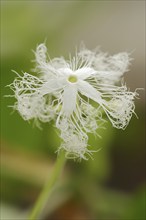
{"x":75,"y":93}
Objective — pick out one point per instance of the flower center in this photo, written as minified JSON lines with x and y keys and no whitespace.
{"x":72,"y":79}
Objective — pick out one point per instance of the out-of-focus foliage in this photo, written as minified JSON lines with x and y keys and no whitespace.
{"x":112,"y":185}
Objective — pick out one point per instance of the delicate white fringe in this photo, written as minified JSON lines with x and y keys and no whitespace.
{"x":51,"y":96}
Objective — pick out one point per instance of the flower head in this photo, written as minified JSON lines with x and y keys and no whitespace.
{"x":75,"y":93}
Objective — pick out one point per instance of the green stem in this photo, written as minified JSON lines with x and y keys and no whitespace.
{"x":43,"y":198}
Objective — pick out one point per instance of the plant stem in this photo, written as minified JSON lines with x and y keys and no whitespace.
{"x":43,"y":198}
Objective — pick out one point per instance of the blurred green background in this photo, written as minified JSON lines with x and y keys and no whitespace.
{"x":112,"y":186}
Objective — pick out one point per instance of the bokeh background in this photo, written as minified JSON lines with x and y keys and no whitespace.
{"x":112,"y":186}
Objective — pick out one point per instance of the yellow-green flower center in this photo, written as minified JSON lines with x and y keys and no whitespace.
{"x":72,"y":79}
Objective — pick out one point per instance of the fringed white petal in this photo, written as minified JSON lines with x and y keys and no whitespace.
{"x":85,"y":72}
{"x":26,"y":84}
{"x":74,"y":143}
{"x":34,"y":107}
{"x":119,"y":62}
{"x":116,"y":65}
{"x":48,"y":69}
{"x":89,"y":91}
{"x":26,"y":106}
{"x":69,"y":99}
{"x":120,"y":108}
{"x":52,"y":86}
{"x":75,"y":147}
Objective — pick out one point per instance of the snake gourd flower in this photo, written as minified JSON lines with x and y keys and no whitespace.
{"x":75,"y":94}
